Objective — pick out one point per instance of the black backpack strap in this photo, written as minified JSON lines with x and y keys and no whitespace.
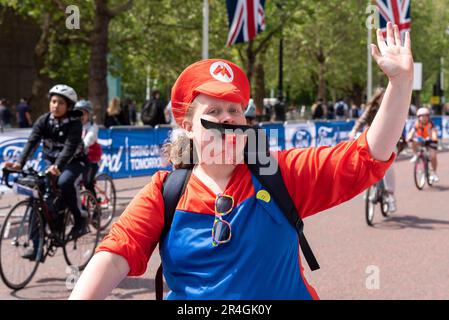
{"x":172,"y":190}
{"x":275,"y":185}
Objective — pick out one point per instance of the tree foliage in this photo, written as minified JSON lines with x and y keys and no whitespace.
{"x":325,"y":49}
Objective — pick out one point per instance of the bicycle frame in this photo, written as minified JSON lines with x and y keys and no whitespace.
{"x":38,"y":204}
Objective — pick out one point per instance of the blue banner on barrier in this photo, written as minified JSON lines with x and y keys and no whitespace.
{"x":299,"y":135}
{"x":438,"y":122}
{"x":134,"y":152}
{"x":330,"y":133}
{"x":276,"y":135}
{"x":12,"y":144}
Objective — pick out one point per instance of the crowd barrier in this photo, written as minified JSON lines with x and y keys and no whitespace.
{"x":136,"y":151}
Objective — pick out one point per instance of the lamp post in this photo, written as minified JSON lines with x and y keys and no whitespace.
{"x":279,"y":107}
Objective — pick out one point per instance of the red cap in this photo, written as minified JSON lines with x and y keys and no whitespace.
{"x":217,"y":78}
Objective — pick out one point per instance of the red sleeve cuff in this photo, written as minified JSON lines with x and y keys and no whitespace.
{"x":378,"y":167}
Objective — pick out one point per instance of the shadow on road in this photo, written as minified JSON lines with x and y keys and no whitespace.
{"x":141,"y":286}
{"x":409,"y":221}
{"x":49,"y":289}
{"x":439,"y":188}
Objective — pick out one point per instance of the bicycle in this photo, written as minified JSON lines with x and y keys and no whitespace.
{"x":106,"y":197}
{"x":374,"y":195}
{"x":421,"y":169}
{"x":44,"y":223}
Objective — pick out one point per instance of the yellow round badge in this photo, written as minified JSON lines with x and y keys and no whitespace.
{"x":263,"y":195}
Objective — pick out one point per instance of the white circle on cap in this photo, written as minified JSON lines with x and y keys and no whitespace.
{"x":221,"y":71}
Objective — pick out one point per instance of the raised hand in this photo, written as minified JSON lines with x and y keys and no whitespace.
{"x":395,"y":59}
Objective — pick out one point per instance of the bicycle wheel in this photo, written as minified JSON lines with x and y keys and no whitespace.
{"x":77,"y":253}
{"x":106,"y":197}
{"x":429,"y":179}
{"x":420,"y":172}
{"x":370,"y":204}
{"x":22,"y":229}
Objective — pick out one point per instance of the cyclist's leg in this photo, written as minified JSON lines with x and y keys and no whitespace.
{"x":434,"y":163}
{"x":415,"y":146}
{"x":390,"y":187}
{"x":33,"y":235}
{"x":433,"y":158}
{"x":68,"y":182}
{"x":389,"y":180}
{"x":89,"y":177}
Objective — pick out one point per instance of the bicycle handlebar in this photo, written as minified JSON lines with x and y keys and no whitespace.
{"x":5,"y":176}
{"x":27,"y":172}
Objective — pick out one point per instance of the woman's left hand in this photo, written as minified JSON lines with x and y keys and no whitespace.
{"x":395,"y":59}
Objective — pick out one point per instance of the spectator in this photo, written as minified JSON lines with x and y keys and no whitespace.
{"x":250,"y":113}
{"x":302,"y":113}
{"x":341,"y":110}
{"x":355,"y":111}
{"x":268,"y":108}
{"x":330,"y":114}
{"x":446,"y":109}
{"x":124,"y":113}
{"x":153,"y":110}
{"x":23,"y":114}
{"x":318,"y":110}
{"x":113,"y":114}
{"x":133,"y":113}
{"x":5,"y":115}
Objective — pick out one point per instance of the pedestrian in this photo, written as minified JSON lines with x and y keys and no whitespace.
{"x":153,"y":110}
{"x":318,"y":110}
{"x":124,"y":115}
{"x":330,"y":114}
{"x":133,"y":113}
{"x":229,"y":239}
{"x":446,"y":109}
{"x":354,"y":111}
{"x":113,"y":114}
{"x":341,"y":109}
{"x":5,"y":115}
{"x":23,"y":114}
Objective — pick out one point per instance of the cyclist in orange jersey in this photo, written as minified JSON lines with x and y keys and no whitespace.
{"x":423,"y":130}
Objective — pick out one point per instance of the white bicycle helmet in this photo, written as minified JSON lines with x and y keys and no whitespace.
{"x":423,"y":112}
{"x":84,"y":105}
{"x":65,"y":91}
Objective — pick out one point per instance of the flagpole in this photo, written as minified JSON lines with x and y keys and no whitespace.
{"x":205,"y":53}
{"x":369,"y":86}
{"x":148,"y":89}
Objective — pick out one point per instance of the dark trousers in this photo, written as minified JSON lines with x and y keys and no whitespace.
{"x":68,"y":182}
{"x":89,"y":176}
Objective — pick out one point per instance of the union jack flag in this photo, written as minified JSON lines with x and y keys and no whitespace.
{"x":396,"y":11}
{"x":246,"y":20}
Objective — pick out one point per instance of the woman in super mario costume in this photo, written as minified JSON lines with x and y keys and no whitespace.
{"x":261,"y":259}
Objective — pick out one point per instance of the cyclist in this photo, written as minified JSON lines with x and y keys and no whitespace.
{"x":261,"y":259}
{"x":424,"y":130}
{"x":365,"y":120}
{"x":60,"y":130}
{"x":91,"y":146}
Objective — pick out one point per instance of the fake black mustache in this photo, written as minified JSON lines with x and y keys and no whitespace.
{"x":222,"y":127}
